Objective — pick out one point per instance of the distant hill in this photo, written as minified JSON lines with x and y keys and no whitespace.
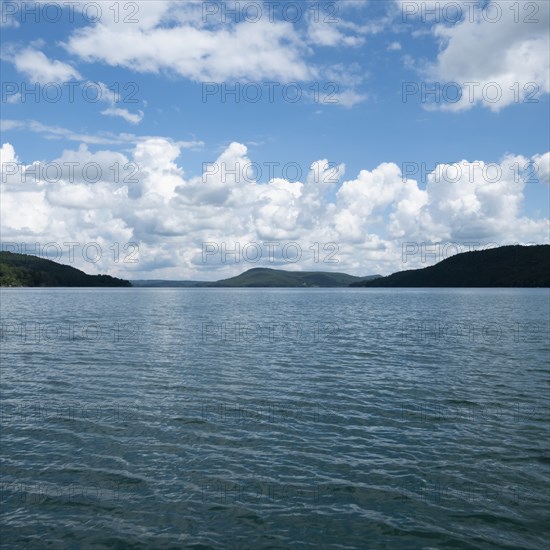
{"x":161,"y":283}
{"x":507,"y":266}
{"x":28,"y":270}
{"x":265,"y":277}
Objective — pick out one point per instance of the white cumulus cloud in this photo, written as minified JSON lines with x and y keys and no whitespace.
{"x":146,"y":197}
{"x":38,"y":68}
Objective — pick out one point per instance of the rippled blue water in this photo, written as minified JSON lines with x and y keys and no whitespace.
{"x":236,"y":418}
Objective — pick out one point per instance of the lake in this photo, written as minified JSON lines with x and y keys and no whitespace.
{"x":275,"y":418}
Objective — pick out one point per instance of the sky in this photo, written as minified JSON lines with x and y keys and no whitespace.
{"x":196,"y":140}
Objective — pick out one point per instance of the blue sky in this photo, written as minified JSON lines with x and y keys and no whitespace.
{"x":175,"y":64}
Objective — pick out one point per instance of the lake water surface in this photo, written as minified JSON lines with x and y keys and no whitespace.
{"x":275,"y":418}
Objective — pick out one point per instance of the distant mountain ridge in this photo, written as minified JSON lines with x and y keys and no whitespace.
{"x":266,"y":277}
{"x":161,"y":283}
{"x":506,"y":266}
{"x":27,"y":270}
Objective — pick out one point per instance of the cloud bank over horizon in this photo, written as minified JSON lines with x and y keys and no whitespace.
{"x":147,"y":198}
